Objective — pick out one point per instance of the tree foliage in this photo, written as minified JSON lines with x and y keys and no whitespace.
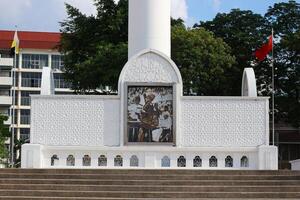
{"x":95,"y":47}
{"x":243,"y":31}
{"x":4,"y":135}
{"x":203,"y":61}
{"x":285,"y":19}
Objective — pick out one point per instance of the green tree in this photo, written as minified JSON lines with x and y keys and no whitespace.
{"x":95,"y":47}
{"x":244,"y":31}
{"x":203,"y":61}
{"x":284,"y":18}
{"x":4,"y":135}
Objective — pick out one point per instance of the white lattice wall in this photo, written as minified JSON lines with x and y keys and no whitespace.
{"x":224,"y":121}
{"x":75,"y":120}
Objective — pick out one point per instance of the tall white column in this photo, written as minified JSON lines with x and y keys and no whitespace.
{"x":149,"y":26}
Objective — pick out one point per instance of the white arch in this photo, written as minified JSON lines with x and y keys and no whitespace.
{"x":150,"y":65}
{"x":249,"y":83}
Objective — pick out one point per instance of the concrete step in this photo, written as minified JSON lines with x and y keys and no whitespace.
{"x":152,"y":182}
{"x":150,"y":172}
{"x":108,"y":198}
{"x":174,"y":195}
{"x":149,"y":177}
{"x":152,"y":188}
{"x":147,"y":184}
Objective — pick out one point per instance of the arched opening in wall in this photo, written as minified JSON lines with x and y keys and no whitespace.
{"x":53,"y":159}
{"x":197,"y":162}
{"x":181,"y":161}
{"x":213,"y":162}
{"x":86,"y":160}
{"x":102,"y":161}
{"x":118,"y":161}
{"x":70,"y":160}
{"x":244,"y":161}
{"x":134,"y":161}
{"x":165,"y":162}
{"x":228,"y":161}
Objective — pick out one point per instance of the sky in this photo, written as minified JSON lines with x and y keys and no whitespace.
{"x":44,"y":15}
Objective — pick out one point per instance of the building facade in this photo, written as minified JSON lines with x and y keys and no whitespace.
{"x":37,"y":50}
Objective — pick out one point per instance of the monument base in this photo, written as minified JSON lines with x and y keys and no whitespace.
{"x":150,"y":157}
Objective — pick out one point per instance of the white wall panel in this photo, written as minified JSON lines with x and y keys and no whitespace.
{"x":225,"y":122}
{"x":74,"y":120}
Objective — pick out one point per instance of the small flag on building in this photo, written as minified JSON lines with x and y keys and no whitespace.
{"x":262,"y":53}
{"x":14,"y":49}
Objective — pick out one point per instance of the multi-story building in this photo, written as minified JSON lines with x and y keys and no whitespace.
{"x":37,"y":50}
{"x":6,"y":65}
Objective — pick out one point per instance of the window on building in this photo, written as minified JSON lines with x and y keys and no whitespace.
{"x":197,"y":162}
{"x":228,"y":161}
{"x":60,"y":82}
{"x":134,"y":161}
{"x":17,"y":60}
{"x":181,"y":161}
{"x":86,"y":160}
{"x":25,"y":134}
{"x":5,"y":73}
{"x":70,"y":160}
{"x":165,"y":161}
{"x":34,"y":61}
{"x":213,"y":162}
{"x":31,"y":79}
{"x":118,"y":161}
{"x":244,"y":161}
{"x":25,"y":97}
{"x":102,"y":161}
{"x":4,"y":111}
{"x":15,"y":117}
{"x":57,"y":62}
{"x":25,"y":117}
{"x":16,"y":78}
{"x":5,"y":53}
{"x":4,"y":92}
{"x":16,"y":96}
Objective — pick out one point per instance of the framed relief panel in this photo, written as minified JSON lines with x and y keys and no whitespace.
{"x":150,"y":114}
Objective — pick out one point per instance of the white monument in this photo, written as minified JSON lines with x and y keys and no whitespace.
{"x":150,"y":124}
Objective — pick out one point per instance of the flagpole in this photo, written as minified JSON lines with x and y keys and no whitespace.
{"x":13,"y":106}
{"x":13,"y":112}
{"x":273,"y":91}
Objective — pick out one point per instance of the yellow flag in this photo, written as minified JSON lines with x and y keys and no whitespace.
{"x":15,"y":44}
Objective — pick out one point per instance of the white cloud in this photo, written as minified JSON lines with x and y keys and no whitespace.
{"x":85,"y":6}
{"x":28,"y":13}
{"x":179,"y":9}
{"x":216,"y":5}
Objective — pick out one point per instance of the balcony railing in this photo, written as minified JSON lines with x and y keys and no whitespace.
{"x":6,"y":62}
{"x":5,"y":81}
{"x":5,"y":100}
